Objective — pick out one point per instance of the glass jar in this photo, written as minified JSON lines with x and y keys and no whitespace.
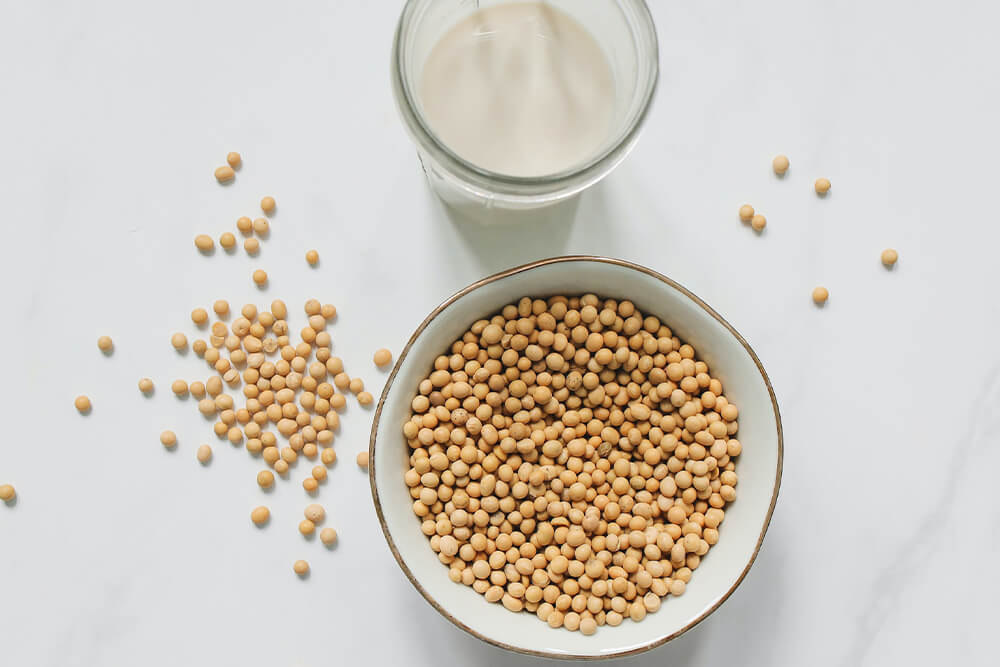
{"x":622,"y":28}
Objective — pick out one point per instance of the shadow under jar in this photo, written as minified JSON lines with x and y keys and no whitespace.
{"x":622,"y":31}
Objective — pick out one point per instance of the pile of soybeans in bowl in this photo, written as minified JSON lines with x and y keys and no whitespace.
{"x":572,"y":458}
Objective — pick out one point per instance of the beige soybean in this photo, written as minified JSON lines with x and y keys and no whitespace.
{"x":104,"y":344}
{"x":383,"y":357}
{"x":267,"y":204}
{"x":244,"y":225}
{"x":328,"y":536}
{"x":312,"y":257}
{"x":780,"y":164}
{"x":7,"y":494}
{"x":227,"y":240}
{"x":889,"y":257}
{"x":204,"y":242}
{"x":758,"y":222}
{"x":82,"y":404}
{"x":261,"y":226}
{"x":265,"y":479}
{"x":204,"y":453}
{"x":146,"y":385}
{"x":820,"y":295}
{"x":224,"y":174}
{"x":179,"y":341}
{"x":234,"y":160}
{"x":362,"y":459}
{"x":315,"y":513}
{"x":251,"y":245}
{"x":259,"y":515}
{"x":260,"y":277}
{"x":168,"y":439}
{"x":213,"y":386}
{"x":300,"y":567}
{"x":822,"y":186}
{"x":317,"y":322}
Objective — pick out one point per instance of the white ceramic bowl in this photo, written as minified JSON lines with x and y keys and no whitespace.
{"x":731,"y":360}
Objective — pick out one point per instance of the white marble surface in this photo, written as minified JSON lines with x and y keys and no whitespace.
{"x":883,"y":547}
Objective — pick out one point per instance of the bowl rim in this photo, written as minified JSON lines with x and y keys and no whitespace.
{"x":520,"y":269}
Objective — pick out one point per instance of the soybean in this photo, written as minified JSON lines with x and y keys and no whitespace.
{"x":265,"y":479}
{"x":383,"y":357}
{"x":224,"y":174}
{"x":260,"y":515}
{"x":315,"y":513}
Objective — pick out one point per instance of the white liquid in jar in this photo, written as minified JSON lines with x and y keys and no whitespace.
{"x":521,"y":89}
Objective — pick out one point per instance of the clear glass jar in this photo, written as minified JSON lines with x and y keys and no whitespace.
{"x":625,"y":32}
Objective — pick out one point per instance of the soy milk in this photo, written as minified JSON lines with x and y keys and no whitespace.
{"x":520,"y":89}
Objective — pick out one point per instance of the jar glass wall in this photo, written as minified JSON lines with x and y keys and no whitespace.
{"x":622,"y":28}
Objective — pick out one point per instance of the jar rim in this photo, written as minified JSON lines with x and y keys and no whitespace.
{"x":577,"y":177}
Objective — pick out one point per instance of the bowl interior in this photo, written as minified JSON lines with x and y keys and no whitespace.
{"x":746,"y":520}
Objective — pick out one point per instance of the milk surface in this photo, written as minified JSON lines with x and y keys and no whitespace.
{"x":520,"y":88}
